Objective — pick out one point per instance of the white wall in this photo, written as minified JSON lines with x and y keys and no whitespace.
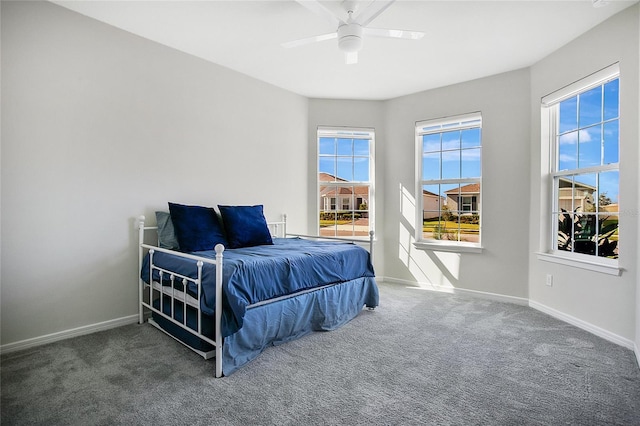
{"x":599,"y":300}
{"x":100,"y":126}
{"x":637,"y":341}
{"x":501,"y":267}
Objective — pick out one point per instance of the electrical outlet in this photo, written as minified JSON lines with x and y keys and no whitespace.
{"x":549,"y":281}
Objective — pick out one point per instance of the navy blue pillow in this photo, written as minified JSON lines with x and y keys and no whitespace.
{"x":197,"y":228}
{"x":245,"y":226}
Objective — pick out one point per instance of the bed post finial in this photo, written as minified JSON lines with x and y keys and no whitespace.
{"x":371,"y":233}
{"x":284,"y":225}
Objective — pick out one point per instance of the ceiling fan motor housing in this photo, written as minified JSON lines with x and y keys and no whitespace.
{"x":350,"y":37}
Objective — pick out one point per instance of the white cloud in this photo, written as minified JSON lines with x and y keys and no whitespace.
{"x":572,"y":138}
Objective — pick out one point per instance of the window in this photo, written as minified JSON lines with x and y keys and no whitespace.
{"x":449,"y":180}
{"x":583,"y":121}
{"x":345,"y":182}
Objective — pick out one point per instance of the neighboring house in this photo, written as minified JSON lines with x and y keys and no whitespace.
{"x":579,"y":196}
{"x":341,"y":198}
{"x":465,"y":199}
{"x":431,"y":205}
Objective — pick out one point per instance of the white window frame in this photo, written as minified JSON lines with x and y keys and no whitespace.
{"x":351,"y":133}
{"x":440,"y":125}
{"x":549,"y":122}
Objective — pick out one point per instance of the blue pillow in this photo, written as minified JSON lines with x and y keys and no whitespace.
{"x":245,"y":226}
{"x":197,"y":228}
{"x":166,"y":233}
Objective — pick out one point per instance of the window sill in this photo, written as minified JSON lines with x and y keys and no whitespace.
{"x":603,"y":268}
{"x":456,"y":248}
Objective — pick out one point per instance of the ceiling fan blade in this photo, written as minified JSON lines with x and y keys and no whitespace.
{"x":350,"y":58}
{"x":320,"y":9}
{"x":381,"y":32}
{"x":309,"y":40}
{"x":372,"y":11}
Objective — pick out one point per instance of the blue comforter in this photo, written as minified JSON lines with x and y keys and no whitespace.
{"x":255,"y":274}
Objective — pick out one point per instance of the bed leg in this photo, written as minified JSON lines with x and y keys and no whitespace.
{"x":140,"y":223}
{"x":218,"y":327}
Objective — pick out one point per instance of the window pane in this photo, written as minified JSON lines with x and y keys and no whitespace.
{"x":611,"y":99}
{"x":345,"y":146}
{"x":431,"y":200}
{"x":568,"y":151}
{"x":608,"y":195}
{"x":449,"y":197}
{"x":590,"y":105}
{"x":584,"y":193}
{"x":362,"y":198}
{"x":345,"y":169}
{"x":327,"y":197}
{"x":589,"y":147}
{"x":346,"y":198}
{"x":361,"y":169}
{"x":431,"y":143}
{"x":361,"y":147}
{"x":327,"y":165}
{"x":471,"y":138}
{"x":451,"y":140}
{"x":327,"y":146}
{"x":585,"y":228}
{"x":471,"y":163}
{"x":431,"y":166}
{"x":470,"y":227}
{"x":451,"y":164}
{"x":431,"y":205}
{"x":611,"y":142}
{"x":569,"y":114}
{"x":608,"y":236}
{"x":564,"y":191}
{"x":565,"y":222}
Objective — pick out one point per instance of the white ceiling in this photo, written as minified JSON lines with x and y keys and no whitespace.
{"x":464,"y":40}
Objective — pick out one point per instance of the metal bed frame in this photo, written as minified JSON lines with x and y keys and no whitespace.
{"x":277,"y":229}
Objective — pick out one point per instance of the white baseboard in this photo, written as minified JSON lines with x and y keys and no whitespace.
{"x":445,"y":289}
{"x":600,"y":332}
{"x":54,"y":337}
{"x":593,"y":329}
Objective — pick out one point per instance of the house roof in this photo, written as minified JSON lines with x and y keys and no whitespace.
{"x":425,"y":192}
{"x":327,"y":177}
{"x":361,"y":191}
{"x":472,"y":188}
{"x":329,"y":190}
{"x":566,"y":183}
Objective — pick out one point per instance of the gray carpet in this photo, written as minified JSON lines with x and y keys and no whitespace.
{"x":420,"y":358}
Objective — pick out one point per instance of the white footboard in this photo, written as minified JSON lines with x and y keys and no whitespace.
{"x":368,"y":242}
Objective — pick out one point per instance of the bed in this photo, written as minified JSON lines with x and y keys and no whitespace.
{"x":230,"y":293}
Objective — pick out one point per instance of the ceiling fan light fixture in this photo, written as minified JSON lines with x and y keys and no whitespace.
{"x":350,"y":37}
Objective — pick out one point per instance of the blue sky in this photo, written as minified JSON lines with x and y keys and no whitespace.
{"x":345,"y":158}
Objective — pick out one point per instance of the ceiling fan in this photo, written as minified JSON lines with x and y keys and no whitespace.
{"x":352,"y":30}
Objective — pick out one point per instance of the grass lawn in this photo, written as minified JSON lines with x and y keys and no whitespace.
{"x":431,"y":225}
